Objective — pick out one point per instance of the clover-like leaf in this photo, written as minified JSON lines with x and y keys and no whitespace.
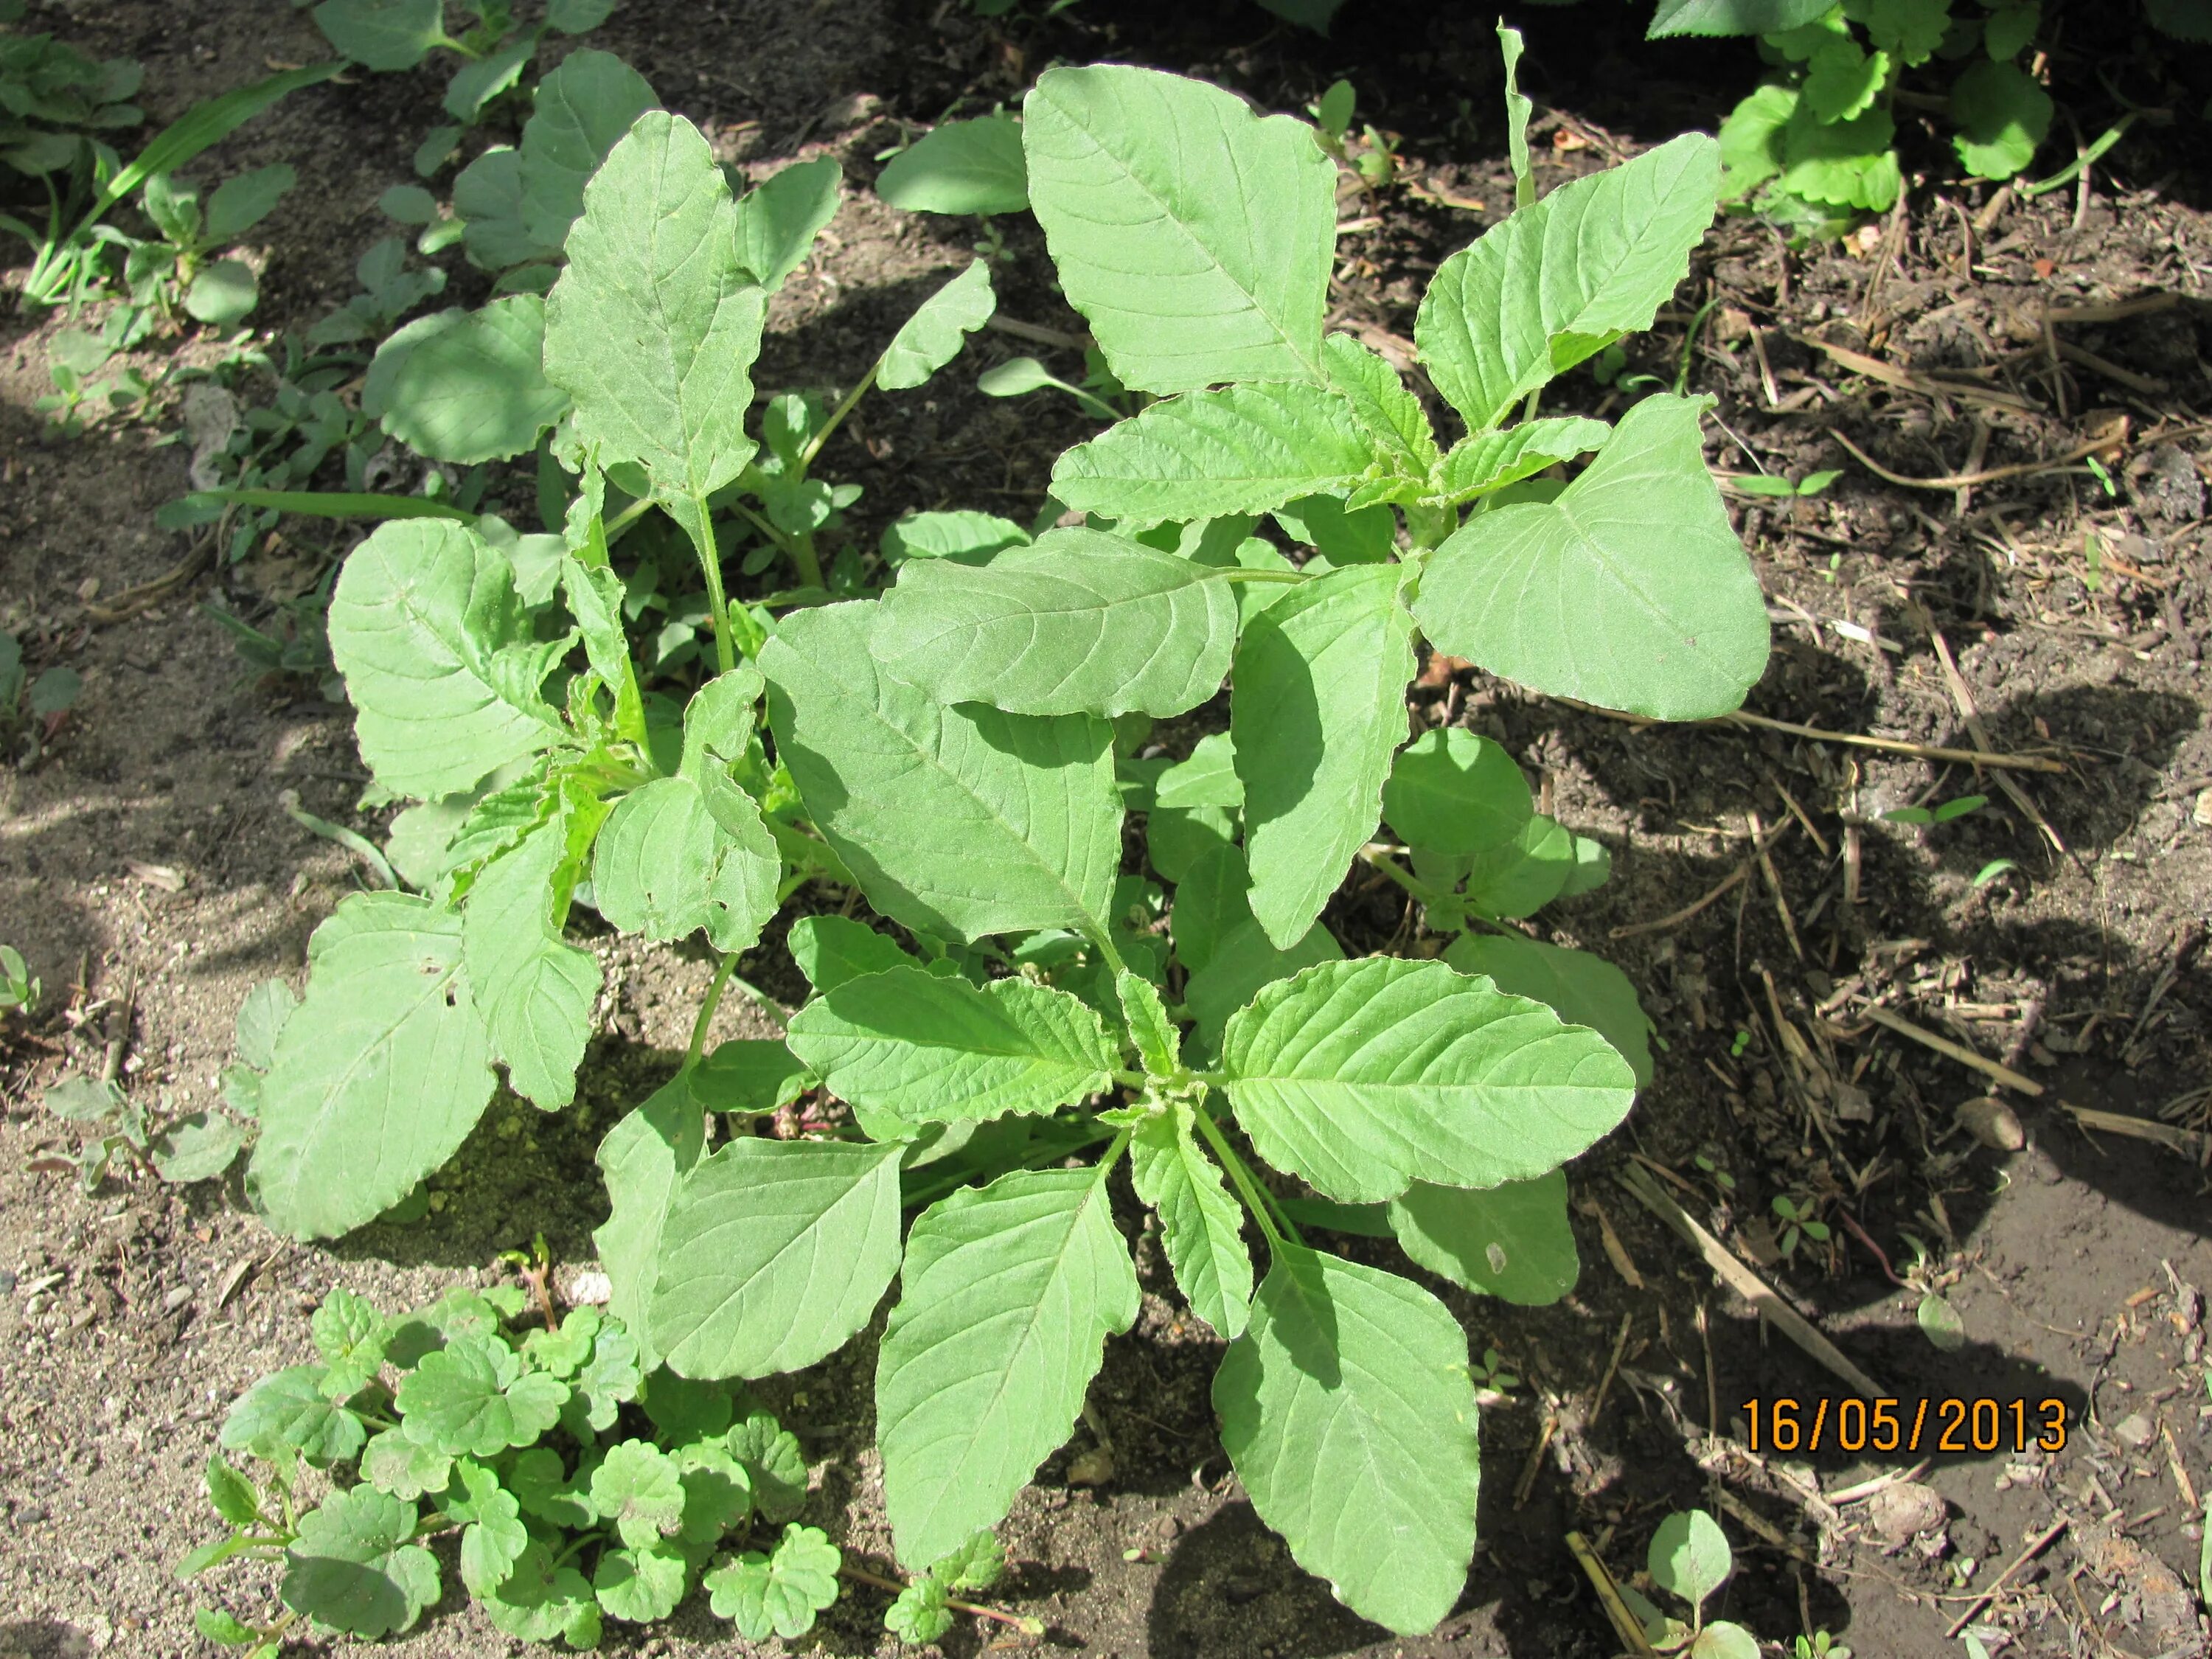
{"x":640,"y":1585}
{"x":639,"y":1488}
{"x":472,"y":1396}
{"x":350,"y":1334}
{"x":493,"y":1537}
{"x":355,"y":1567}
{"x":773,"y":1463}
{"x":291,"y":1410}
{"x":777,"y":1594}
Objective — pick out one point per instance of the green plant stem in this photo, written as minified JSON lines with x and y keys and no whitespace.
{"x":614,"y":527}
{"x":1239,"y":574}
{"x":2067,"y":175}
{"x":837,"y":417}
{"x":1263,"y":1208}
{"x":1103,"y":938}
{"x":803,"y":559}
{"x":710,"y":566}
{"x":727,"y":966}
{"x":1406,"y":878}
{"x":874,"y":1581}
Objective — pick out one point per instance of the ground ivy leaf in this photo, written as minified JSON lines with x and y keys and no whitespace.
{"x":231,"y":1493}
{"x":718,"y":1494}
{"x":1630,"y":591}
{"x":922,"y":1048}
{"x":1380,"y":401}
{"x":424,"y":625}
{"x":1347,"y":1410}
{"x":771,"y":1458}
{"x":350,"y":1335}
{"x":1319,"y":709}
{"x":1513,"y":1242}
{"x":563,"y":1351}
{"x":581,"y":110}
{"x":541,"y":1603}
{"x":962,"y":167}
{"x":1008,"y":1294}
{"x":540,"y":1483}
{"x":466,"y":386}
{"x":778,"y":218}
{"x":353,"y":1567}
{"x":1221,"y":945}
{"x":777,"y":1594}
{"x":1078,"y":622}
{"x":1196,"y":237}
{"x":639,"y":1489}
{"x":956,"y":820}
{"x":642,"y":1158}
{"x":1674,"y":17}
{"x":535,"y":989}
{"x":640,"y":1585}
{"x":1364,"y":1077}
{"x":2003,"y":117}
{"x":932,"y":337}
{"x":493,"y":1538}
{"x":405,"y":1468}
{"x":1243,"y":449}
{"x":774,"y":1253}
{"x":654,"y":326}
{"x":1487,"y":461}
{"x":287,"y":1410}
{"x":1582,"y":989}
{"x":1563,"y":278}
{"x":1201,"y":1226}
{"x":472,"y":1396}
{"x":1453,"y":792}
{"x":379,"y":1077}
{"x":919,"y":1614}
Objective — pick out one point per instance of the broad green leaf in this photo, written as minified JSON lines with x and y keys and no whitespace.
{"x":1078,"y":622}
{"x":922,"y":1048}
{"x":466,"y":386}
{"x":437,"y":658}
{"x":582,"y":109}
{"x":669,"y":863}
{"x":918,"y":1614}
{"x":577,"y":16}
{"x":640,"y":1586}
{"x":1221,"y":946}
{"x":223,"y":292}
{"x":534,"y":990}
{"x":261,"y":1016}
{"x":472,"y":1397}
{"x":1348,"y":1412}
{"x":1453,"y":792}
{"x":1196,"y":237}
{"x":1751,"y":140}
{"x":476,"y":84}
{"x":379,"y":1075}
{"x":290,"y":1410}
{"x":350,"y":1334}
{"x":1177,"y":837}
{"x":1158,"y":1042}
{"x":1848,"y":164}
{"x":638,"y":1487}
{"x":779,"y":219}
{"x":487,"y":198}
{"x":962,"y":534}
{"x":831,"y":950}
{"x":643,"y":1158}
{"x":493,"y":1537}
{"x":956,"y":820}
{"x":386,"y":35}
{"x":1364,"y":1077}
{"x":777,"y":1594}
{"x":1341,"y":534}
{"x":2004,"y":115}
{"x":773,"y":1461}
{"x":1522,"y":875}
{"x":1201,"y":1226}
{"x":1318,"y":711}
{"x":962,"y":167}
{"x":1581,"y":988}
{"x":1392,"y":415}
{"x":1242,"y":449}
{"x":932,"y":337}
{"x":753,"y":1075}
{"x":356,"y":1568}
{"x":1723,"y":1640}
{"x":773,"y":1253}
{"x":1689,"y":1556}
{"x":1733,"y":16}
{"x":1629,"y":591}
{"x":653,"y":327}
{"x":197,"y":1146}
{"x":1007,"y":1296}
{"x":1843,"y":80}
{"x":1490,"y":460}
{"x":1560,"y":281}
{"x":406,"y":1468}
{"x":1512,"y":1242}
{"x":1208,"y":778}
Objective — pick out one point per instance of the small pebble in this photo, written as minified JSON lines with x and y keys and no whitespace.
{"x":2135,"y":1430}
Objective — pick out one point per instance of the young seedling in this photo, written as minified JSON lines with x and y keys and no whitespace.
{"x":19,"y":988}
{"x":1690,"y":1559}
{"x":1958,"y":807}
{"x":1799,"y":1223}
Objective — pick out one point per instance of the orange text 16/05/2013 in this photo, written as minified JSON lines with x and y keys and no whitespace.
{"x":1938,"y":1423}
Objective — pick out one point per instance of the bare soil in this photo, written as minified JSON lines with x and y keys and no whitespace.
{"x":150,"y":875}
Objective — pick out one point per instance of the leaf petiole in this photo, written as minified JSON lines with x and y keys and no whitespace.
{"x":710,"y":566}
{"x":837,"y":418}
{"x":707,"y":1006}
{"x":1255,"y":1199}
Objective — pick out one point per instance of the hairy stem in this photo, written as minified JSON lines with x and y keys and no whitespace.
{"x":710,"y":566}
{"x":1247,"y":1186}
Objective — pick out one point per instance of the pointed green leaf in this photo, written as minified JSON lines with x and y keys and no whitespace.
{"x":466,"y":386}
{"x":653,"y":327}
{"x":773,"y":1252}
{"x":922,"y":1048}
{"x":1007,"y":1296}
{"x":1630,"y":591}
{"x":1348,"y":1412}
{"x":1512,"y":1242}
{"x":779,"y":219}
{"x":1221,"y":946}
{"x":580,"y":111}
{"x":1242,"y":449}
{"x":1487,"y":461}
{"x":1364,"y":1077}
{"x":1201,"y":1226}
{"x":961,"y":534}
{"x":355,"y":1567}
{"x":1208,"y":778}
{"x":1319,"y":709}
{"x":426,"y":629}
{"x":1076,"y":623}
{"x":643,"y":1158}
{"x":1523,"y":875}
{"x":676,"y":856}
{"x":777,"y":1594}
{"x":1196,"y":237}
{"x":1159,"y":1044}
{"x":379,"y":1075}
{"x":932,"y":337}
{"x":956,"y":820}
{"x":1689,"y":1556}
{"x":1453,"y":792}
{"x":534,"y":990}
{"x":749,"y":1075}
{"x":230,"y":1493}
{"x":1581,"y":988}
{"x":1562,"y":279}
{"x":473,"y":1397}
{"x":962,"y":167}
{"x":1380,"y":402}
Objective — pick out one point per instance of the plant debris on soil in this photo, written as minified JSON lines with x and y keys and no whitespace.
{"x":1976,"y":1050}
